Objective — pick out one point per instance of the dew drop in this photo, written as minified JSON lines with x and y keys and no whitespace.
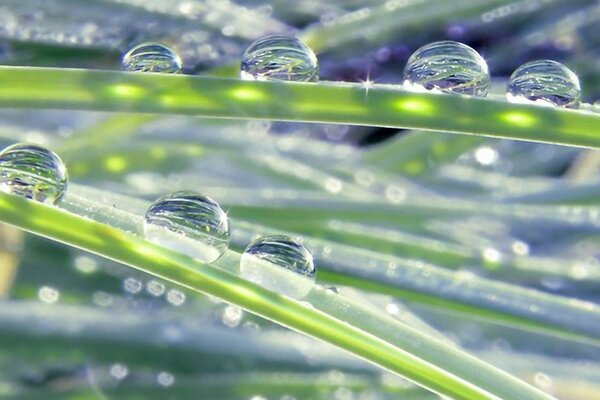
{"x":119,"y":371}
{"x":155,"y":288}
{"x":48,"y":294}
{"x":544,"y":82}
{"x":279,"y":263}
{"x":165,"y":379}
{"x":176,"y":297}
{"x":189,"y":223}
{"x":152,"y":57}
{"x":279,"y":57}
{"x":32,"y":172}
{"x":449,"y":67}
{"x":132,"y":285}
{"x":232,"y":316}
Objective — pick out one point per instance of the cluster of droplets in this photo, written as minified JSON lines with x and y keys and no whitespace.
{"x":195,"y":225}
{"x":453,"y":67}
{"x":445,"y":66}
{"x":186,"y":222}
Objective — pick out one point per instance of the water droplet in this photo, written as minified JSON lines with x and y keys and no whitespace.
{"x":279,"y":263}
{"x":232,"y":316}
{"x":119,"y":371}
{"x":155,"y":288}
{"x":48,"y":294}
{"x":152,"y":57}
{"x":544,"y":82}
{"x":189,"y":223}
{"x":32,"y":172}
{"x":447,"y":66}
{"x":132,"y":285}
{"x":279,"y":57}
{"x":85,"y":265}
{"x":176,"y":297}
{"x":165,"y":379}
{"x":542,"y":380}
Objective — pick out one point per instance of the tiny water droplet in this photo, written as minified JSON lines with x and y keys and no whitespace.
{"x":48,"y":294}
{"x":447,"y":66}
{"x":176,"y":297}
{"x":544,"y":82}
{"x":152,"y":57}
{"x":119,"y":371}
{"x":155,"y":288}
{"x":279,"y":263}
{"x":280,"y":57}
{"x":32,"y":172}
{"x":132,"y":285}
{"x":232,"y":316}
{"x":189,"y":223}
{"x":165,"y":379}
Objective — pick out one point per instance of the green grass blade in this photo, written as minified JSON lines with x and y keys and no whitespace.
{"x":128,"y":249}
{"x":341,"y":103}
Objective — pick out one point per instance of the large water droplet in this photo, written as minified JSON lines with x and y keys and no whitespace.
{"x":279,"y":263}
{"x":152,"y":57}
{"x":188,"y":223}
{"x":279,"y":57}
{"x":447,"y":66}
{"x":544,"y":82}
{"x":33,"y":172}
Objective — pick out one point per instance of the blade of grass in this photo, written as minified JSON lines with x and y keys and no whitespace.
{"x":130,"y":250}
{"x":341,"y":103}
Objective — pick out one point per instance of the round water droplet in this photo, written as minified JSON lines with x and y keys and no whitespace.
{"x":279,"y":263}
{"x":33,"y":172}
{"x":447,"y":66}
{"x":544,"y":82}
{"x":188,"y":223}
{"x":279,"y":57}
{"x":152,"y":57}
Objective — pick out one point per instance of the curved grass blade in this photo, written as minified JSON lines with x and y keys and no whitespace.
{"x":364,"y":341}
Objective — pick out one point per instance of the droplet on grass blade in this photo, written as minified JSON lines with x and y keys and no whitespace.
{"x":188,"y":223}
{"x":279,"y":263}
{"x":33,"y":172}
{"x":449,"y":67}
{"x":544,"y":82}
{"x":279,"y":57}
{"x":152,"y":57}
